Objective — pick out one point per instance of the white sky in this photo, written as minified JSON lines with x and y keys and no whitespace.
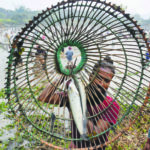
{"x":141,"y":7}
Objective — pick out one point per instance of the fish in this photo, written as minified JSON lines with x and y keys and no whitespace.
{"x":81,"y":89}
{"x":78,"y":105}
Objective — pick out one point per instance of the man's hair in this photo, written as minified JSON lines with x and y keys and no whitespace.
{"x":106,"y":63}
{"x":70,"y":48}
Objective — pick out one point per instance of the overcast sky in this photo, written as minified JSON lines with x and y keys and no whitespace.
{"x":141,"y":7}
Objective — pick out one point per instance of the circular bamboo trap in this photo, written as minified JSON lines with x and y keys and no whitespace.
{"x":94,"y":29}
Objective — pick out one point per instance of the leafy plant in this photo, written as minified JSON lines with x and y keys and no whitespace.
{"x":3,"y":107}
{"x":2,"y":93}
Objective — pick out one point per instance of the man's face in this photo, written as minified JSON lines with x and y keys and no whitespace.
{"x":104,"y":77}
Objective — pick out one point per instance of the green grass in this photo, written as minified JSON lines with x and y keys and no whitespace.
{"x":7,"y":21}
{"x":2,"y":94}
{"x":3,"y":107}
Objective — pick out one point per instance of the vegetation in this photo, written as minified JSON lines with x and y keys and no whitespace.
{"x":20,"y":16}
{"x":141,"y":20}
{"x":134,"y":138}
{"x":2,"y":94}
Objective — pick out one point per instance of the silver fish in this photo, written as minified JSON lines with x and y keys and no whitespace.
{"x":77,"y":100}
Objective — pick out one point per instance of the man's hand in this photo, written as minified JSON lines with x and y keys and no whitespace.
{"x":101,"y":126}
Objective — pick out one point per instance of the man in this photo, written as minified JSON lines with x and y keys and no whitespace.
{"x":69,"y":55}
{"x":97,"y":101}
{"x":41,"y":56}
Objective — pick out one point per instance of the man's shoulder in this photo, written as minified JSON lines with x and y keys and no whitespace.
{"x":108,"y":100}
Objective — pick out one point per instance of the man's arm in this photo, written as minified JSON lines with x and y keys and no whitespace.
{"x":49,"y":94}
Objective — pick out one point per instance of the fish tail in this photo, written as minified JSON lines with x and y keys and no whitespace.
{"x":84,"y":137}
{"x":84,"y":125}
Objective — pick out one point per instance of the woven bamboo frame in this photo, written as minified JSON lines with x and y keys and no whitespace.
{"x":124,"y":20}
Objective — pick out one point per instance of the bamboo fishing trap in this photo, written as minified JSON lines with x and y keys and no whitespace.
{"x":94,"y":29}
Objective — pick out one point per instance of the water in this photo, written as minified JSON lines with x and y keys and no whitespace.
{"x":5,"y":33}
{"x":3,"y":64}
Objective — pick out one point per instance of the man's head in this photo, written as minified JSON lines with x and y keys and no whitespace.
{"x":70,"y":48}
{"x":105,"y":71}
